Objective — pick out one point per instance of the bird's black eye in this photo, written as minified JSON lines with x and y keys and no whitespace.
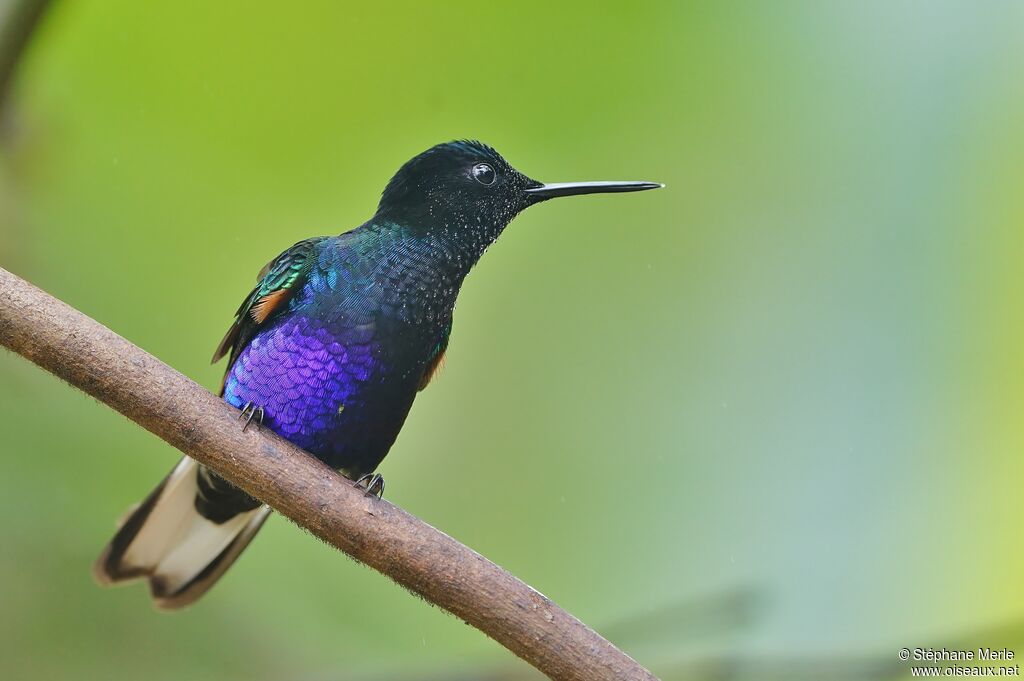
{"x":483,"y":173}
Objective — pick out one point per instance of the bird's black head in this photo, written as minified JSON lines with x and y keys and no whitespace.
{"x":467,"y":185}
{"x":455,"y":184}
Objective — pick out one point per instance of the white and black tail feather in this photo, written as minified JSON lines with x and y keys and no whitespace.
{"x":166,"y":540}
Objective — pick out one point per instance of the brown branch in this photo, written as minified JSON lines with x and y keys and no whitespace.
{"x":89,"y":356}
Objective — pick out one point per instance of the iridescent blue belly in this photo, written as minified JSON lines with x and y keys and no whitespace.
{"x":325,"y":389}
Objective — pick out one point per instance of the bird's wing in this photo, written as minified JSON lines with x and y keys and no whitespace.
{"x":276,"y":284}
{"x":437,"y":359}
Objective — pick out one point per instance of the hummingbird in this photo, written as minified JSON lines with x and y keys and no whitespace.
{"x":329,"y":350}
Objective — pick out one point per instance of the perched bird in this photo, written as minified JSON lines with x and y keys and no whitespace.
{"x":330,"y":349}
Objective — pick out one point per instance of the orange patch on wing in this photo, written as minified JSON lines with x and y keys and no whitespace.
{"x":433,"y":369}
{"x":266,"y":305}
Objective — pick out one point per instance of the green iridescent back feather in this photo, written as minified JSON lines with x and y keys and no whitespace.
{"x":285,"y":274}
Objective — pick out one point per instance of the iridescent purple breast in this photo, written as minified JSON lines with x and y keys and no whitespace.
{"x":337,"y":370}
{"x":306,"y":376}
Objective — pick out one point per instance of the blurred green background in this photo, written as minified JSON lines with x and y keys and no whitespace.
{"x":797,"y":372}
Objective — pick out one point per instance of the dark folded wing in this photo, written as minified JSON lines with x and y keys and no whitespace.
{"x":277,"y":283}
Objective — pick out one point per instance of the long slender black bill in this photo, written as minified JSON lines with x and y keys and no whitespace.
{"x":550,"y":191}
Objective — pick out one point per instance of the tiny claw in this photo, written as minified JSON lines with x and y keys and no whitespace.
{"x":374,"y":484}
{"x":249,"y":412}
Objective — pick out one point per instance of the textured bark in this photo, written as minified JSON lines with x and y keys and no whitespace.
{"x":89,"y":356}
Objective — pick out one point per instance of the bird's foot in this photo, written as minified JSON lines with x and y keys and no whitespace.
{"x":252,"y":412}
{"x":373,"y":483}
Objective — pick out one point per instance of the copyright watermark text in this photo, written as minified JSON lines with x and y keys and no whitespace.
{"x":947,"y":662}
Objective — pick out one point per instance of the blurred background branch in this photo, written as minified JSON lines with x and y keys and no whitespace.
{"x":18,"y":19}
{"x":436,"y":567}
